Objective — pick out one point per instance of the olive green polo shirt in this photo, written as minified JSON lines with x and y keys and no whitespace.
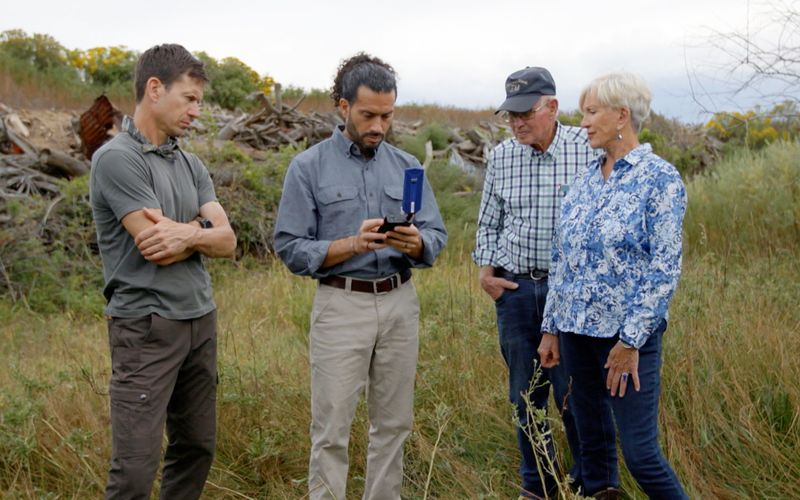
{"x":129,"y":174}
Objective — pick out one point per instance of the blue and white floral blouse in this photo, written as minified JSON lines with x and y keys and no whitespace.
{"x":617,"y":250}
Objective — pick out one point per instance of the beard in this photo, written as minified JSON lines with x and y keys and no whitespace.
{"x":368,"y":150}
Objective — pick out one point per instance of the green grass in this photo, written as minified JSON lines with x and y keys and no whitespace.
{"x":730,"y":400}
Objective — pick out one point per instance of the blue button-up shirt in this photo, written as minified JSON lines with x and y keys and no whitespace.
{"x":617,"y":250}
{"x":330,"y":189}
{"x":521,"y":202}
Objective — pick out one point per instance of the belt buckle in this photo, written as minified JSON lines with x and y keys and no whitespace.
{"x":538,"y":274}
{"x":394,"y":282}
{"x":375,"y":286}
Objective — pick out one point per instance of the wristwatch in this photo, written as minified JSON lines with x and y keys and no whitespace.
{"x":626,"y":345}
{"x":204,"y":223}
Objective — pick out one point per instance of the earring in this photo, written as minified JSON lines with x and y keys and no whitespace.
{"x":619,"y":135}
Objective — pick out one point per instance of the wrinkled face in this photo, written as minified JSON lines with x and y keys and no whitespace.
{"x":600,"y":121}
{"x":368,"y":118}
{"x":176,"y":107}
{"x":536,"y":130}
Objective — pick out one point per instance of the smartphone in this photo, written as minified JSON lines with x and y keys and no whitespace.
{"x":392,"y":221}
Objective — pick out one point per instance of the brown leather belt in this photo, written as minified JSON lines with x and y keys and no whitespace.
{"x":379,"y":286}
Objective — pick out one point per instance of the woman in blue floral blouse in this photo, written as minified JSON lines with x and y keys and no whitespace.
{"x":616,"y":263}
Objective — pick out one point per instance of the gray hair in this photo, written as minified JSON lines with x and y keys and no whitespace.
{"x":621,"y":90}
{"x":545,"y":100}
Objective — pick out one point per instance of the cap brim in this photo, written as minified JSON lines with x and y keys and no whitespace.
{"x":519,"y":103}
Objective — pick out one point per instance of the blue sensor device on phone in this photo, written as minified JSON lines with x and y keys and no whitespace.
{"x":412,"y":190}
{"x":412,"y":200}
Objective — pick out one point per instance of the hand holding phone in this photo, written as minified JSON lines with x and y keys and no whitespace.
{"x":392,"y":221}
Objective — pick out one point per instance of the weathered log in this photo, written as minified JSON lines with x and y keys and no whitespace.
{"x":228,"y":131}
{"x":475,"y":136}
{"x":455,"y":136}
{"x":285,"y":137}
{"x":14,"y":123}
{"x":20,"y":142}
{"x":466,"y":145}
{"x":428,"y":154}
{"x":278,"y":97}
{"x":63,"y":163}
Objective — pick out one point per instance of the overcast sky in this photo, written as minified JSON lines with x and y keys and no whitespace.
{"x":446,"y":52}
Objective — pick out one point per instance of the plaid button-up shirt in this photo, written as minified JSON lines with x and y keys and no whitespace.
{"x":521,"y":201}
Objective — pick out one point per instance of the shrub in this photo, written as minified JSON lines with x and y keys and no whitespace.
{"x":756,"y":128}
{"x":232,"y":81}
{"x":435,"y":132}
{"x":748,"y":205}
{"x":49,"y":257}
{"x":249,"y":189}
{"x":41,"y":52}
{"x":107,"y":66}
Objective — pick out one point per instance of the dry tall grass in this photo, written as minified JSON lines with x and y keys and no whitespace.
{"x":730,"y":401}
{"x":39,"y":92}
{"x":427,"y":113}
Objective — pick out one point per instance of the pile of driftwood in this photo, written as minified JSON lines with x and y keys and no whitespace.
{"x":469,"y":149}
{"x":274,"y":124}
{"x":26,"y":170}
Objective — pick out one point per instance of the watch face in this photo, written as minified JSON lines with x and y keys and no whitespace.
{"x":205,"y":223}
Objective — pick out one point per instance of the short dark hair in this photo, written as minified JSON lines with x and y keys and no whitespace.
{"x":167,"y":62}
{"x":362,"y":69}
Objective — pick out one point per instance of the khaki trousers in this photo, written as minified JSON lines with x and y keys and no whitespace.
{"x":361,"y":342}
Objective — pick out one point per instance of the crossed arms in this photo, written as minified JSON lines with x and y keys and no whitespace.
{"x":164,"y":241}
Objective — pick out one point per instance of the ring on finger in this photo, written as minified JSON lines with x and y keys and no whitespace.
{"x":624,"y":376}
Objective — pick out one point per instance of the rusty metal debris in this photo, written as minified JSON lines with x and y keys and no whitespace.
{"x":95,"y":124}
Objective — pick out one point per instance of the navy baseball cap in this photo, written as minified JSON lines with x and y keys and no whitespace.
{"x":525,"y":87}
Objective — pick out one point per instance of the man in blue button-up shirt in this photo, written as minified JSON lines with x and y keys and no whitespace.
{"x":364,"y":321}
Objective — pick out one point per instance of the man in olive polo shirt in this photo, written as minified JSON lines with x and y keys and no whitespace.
{"x":365,"y":318}
{"x":156,"y":213}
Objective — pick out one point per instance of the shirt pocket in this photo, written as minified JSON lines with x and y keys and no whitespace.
{"x":339,"y":209}
{"x":392,"y":201}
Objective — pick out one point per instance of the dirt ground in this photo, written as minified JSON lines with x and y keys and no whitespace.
{"x":50,"y":129}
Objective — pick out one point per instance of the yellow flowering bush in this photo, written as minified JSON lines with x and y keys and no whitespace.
{"x":756,"y":128}
{"x":105,"y":66}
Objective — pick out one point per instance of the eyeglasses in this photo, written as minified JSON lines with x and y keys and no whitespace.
{"x":512,"y":116}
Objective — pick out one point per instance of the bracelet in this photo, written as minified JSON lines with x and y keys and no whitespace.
{"x":353,"y":245}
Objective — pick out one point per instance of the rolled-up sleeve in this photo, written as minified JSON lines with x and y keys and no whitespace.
{"x":296,"y":225}
{"x":431,"y":229}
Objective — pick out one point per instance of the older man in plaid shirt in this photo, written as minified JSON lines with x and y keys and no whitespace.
{"x":526,"y":178}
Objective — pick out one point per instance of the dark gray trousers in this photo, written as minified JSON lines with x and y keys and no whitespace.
{"x":163,"y":372}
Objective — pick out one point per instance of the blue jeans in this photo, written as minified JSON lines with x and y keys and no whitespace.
{"x":636,"y":416}
{"x":519,"y":320}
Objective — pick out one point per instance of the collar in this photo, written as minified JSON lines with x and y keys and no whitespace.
{"x":633,"y":158}
{"x":554,"y":147}
{"x":166,"y":150}
{"x":638,"y":154}
{"x":349,"y":147}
